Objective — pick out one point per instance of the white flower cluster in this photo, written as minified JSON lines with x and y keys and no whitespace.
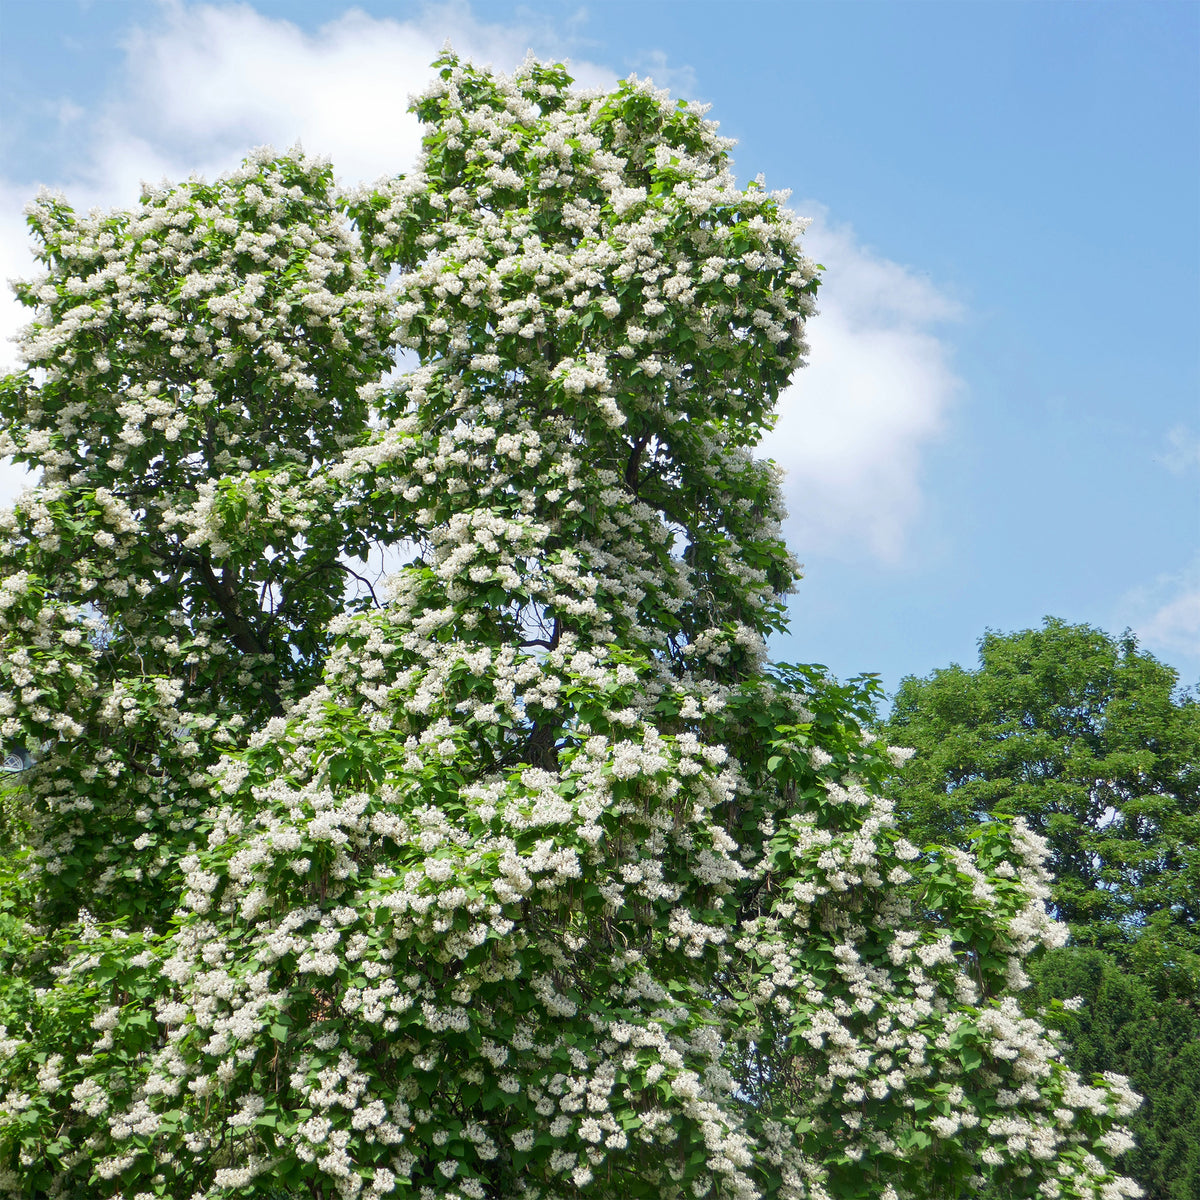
{"x":522,"y":876}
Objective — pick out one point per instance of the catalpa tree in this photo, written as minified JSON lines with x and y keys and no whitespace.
{"x":523,"y":875}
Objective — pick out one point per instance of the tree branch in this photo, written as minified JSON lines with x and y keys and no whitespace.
{"x":635,"y":462}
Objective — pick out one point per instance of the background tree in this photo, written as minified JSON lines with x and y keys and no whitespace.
{"x":524,"y":876}
{"x":1116,"y":1020}
{"x":1089,"y":739}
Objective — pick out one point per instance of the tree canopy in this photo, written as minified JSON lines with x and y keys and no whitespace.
{"x":1115,"y":1018}
{"x":1089,"y":738}
{"x":523,"y":875}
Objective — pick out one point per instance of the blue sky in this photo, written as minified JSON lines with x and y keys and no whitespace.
{"x":1001,"y":418}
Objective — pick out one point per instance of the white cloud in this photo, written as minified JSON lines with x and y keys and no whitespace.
{"x":656,"y":65}
{"x":854,"y":425}
{"x":14,"y":480}
{"x":1183,"y":451}
{"x":212,"y":81}
{"x":1166,"y":614}
{"x":1176,"y":625}
{"x":215,"y":80}
{"x":16,"y":261}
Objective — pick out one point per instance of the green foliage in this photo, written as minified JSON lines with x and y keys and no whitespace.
{"x":1122,"y":1025}
{"x":1090,"y":740}
{"x":1087,"y":738}
{"x":523,"y":877}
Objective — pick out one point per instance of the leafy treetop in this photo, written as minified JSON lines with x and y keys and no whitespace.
{"x":1087,"y":737}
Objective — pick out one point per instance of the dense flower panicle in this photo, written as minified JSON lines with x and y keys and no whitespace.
{"x":521,"y":875}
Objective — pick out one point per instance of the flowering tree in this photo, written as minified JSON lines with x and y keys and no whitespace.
{"x":527,"y":877}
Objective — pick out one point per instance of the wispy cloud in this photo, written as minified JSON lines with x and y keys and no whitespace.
{"x":854,"y":426}
{"x":1176,"y":625}
{"x":678,"y":79}
{"x":1165,"y":614}
{"x":1183,"y":450}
